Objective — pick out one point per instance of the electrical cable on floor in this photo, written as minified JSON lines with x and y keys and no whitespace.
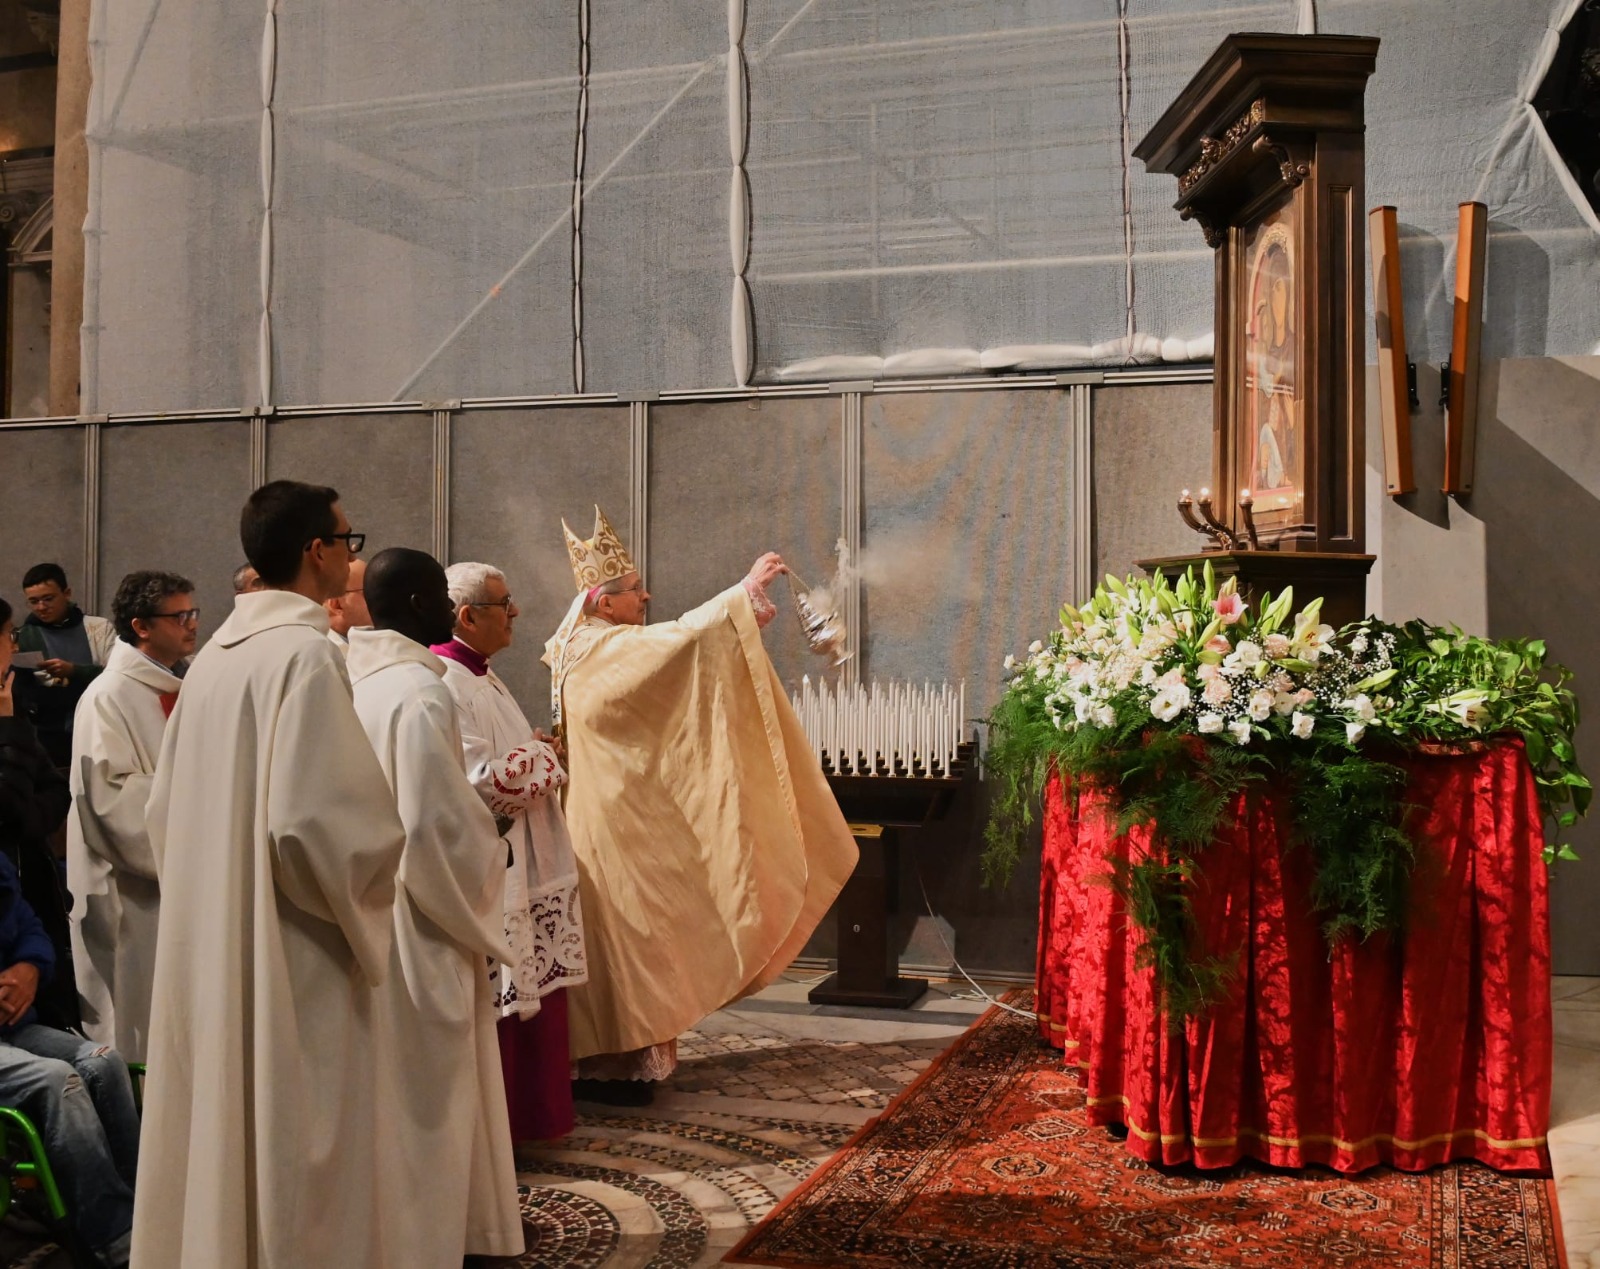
{"x":982,"y":994}
{"x":807,"y":982}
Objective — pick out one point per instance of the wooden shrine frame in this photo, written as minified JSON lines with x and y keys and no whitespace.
{"x":1267,"y":145}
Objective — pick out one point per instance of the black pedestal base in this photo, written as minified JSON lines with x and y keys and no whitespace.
{"x":869,"y":969}
{"x":895,"y":993}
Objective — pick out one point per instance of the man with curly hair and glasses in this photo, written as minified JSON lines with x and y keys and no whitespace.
{"x":116,"y":736}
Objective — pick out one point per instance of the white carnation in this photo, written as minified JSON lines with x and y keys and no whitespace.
{"x":1302,"y":725}
{"x":1104,"y":716}
{"x":1260,"y":705}
{"x":1361,"y":707}
{"x":1036,"y":646}
{"x":1210,"y":723}
{"x":1169,"y":702}
{"x":1240,"y":730}
{"x":1245,"y":656}
{"x":1354,"y":731}
{"x":1283,"y":702}
{"x":1010,"y":663}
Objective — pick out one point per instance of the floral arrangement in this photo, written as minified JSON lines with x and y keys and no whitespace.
{"x":1171,"y":698}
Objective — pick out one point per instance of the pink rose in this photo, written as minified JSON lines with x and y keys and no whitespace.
{"x":1277,"y":646}
{"x":1217,"y":692}
{"x":1229,"y":607}
{"x":1208,"y":671}
{"x":1218,"y":643}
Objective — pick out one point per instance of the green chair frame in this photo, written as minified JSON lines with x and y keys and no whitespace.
{"x":34,"y":1167}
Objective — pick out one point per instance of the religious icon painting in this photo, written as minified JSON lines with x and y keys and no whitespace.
{"x":1271,"y":414}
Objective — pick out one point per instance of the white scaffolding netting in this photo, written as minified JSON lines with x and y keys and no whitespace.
{"x":370,"y":200}
{"x":423,"y":151}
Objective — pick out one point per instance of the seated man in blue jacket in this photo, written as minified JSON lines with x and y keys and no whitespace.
{"x":77,"y":1093}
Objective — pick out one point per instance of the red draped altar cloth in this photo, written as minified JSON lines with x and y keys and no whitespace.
{"x":1413,"y":1049}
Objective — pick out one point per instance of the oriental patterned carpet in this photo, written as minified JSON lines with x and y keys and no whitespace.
{"x":988,"y":1160}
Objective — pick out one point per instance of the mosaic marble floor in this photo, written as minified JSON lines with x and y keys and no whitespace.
{"x":762,"y":1095}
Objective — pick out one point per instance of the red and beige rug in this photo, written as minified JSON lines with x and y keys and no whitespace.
{"x":989,"y":1161}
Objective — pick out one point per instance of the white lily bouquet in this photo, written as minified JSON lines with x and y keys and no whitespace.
{"x":1195,"y":655}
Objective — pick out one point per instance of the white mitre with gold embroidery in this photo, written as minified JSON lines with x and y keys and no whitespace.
{"x":601,"y":559}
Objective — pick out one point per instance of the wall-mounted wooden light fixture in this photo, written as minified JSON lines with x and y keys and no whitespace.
{"x":1396,"y":389}
{"x":1462,"y":371}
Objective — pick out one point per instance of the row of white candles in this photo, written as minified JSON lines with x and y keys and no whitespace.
{"x":883,"y":728}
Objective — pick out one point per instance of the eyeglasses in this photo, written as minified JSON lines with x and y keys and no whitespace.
{"x":184,"y":616}
{"x":353,"y":541}
{"x":494,"y":603}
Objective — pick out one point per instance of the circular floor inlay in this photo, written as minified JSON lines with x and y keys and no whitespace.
{"x":565,"y":1230}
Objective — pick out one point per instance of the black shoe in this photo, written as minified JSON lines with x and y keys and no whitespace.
{"x":615,"y":1092}
{"x":1117,"y":1132}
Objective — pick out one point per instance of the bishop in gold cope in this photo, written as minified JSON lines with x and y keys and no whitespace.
{"x":708,"y":843}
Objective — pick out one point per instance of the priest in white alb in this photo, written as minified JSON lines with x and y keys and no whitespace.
{"x":443,"y":1128}
{"x":116,"y":736}
{"x":276,"y":841}
{"x":519,"y":776}
{"x":709,"y":845}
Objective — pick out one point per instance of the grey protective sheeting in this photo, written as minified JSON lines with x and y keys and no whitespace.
{"x":44,"y":508}
{"x":514,"y":476}
{"x":967,"y":533}
{"x":170,"y":495}
{"x":731,"y":480}
{"x":1149,"y":443}
{"x":930,"y":188}
{"x":381,"y":466}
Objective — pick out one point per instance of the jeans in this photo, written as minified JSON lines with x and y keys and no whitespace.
{"x":80,"y":1097}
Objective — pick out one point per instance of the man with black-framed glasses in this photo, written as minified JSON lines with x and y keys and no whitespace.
{"x":110,"y":870}
{"x":276,"y":840}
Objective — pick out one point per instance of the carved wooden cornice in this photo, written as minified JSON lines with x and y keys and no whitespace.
{"x":1214,"y":149}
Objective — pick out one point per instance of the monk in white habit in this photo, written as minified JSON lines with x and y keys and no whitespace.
{"x":276,"y":840}
{"x":519,"y":775}
{"x":116,"y":736}
{"x":709,"y":845}
{"x":348,"y":611}
{"x":446,"y":1141}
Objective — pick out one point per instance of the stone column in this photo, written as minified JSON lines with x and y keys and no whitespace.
{"x":71,"y":205}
